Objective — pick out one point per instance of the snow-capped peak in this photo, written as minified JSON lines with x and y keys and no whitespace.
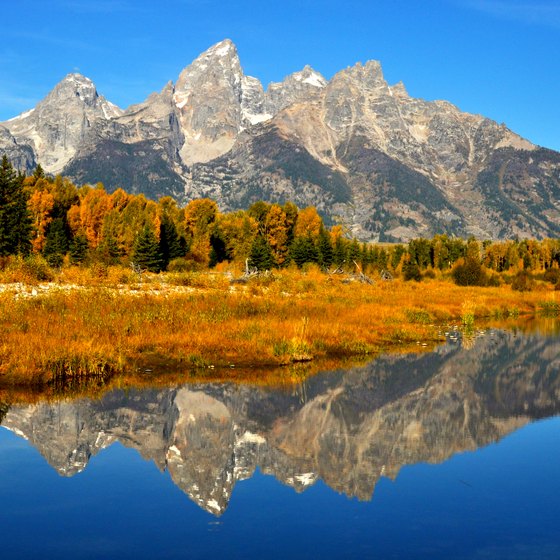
{"x":221,"y":49}
{"x":310,"y":77}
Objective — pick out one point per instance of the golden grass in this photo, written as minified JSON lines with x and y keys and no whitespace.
{"x":67,"y":333}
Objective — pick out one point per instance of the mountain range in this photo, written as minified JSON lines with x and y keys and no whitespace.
{"x":386,"y":165}
{"x":347,"y":428}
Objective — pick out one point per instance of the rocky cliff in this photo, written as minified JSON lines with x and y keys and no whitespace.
{"x":365,"y":152}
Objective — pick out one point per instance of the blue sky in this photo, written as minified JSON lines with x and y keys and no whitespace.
{"x":499,"y":58}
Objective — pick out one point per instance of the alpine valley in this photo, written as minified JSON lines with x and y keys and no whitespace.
{"x":388,"y":166}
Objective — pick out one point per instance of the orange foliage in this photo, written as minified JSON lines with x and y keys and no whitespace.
{"x":40,"y":204}
{"x":308,"y":223}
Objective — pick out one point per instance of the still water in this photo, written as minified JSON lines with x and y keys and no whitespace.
{"x":448,"y":454}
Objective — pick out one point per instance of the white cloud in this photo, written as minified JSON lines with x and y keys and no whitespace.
{"x":534,"y":13}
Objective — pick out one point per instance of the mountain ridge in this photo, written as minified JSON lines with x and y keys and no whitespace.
{"x":367,"y":154}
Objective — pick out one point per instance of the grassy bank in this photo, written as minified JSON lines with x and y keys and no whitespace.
{"x":61,"y":332}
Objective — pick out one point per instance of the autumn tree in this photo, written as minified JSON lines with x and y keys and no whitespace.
{"x":40,"y":205}
{"x":276,"y":233}
{"x":237,"y":230}
{"x":200,"y":215}
{"x":308,"y":223}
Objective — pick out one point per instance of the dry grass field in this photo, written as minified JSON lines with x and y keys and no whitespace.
{"x":83,"y":325}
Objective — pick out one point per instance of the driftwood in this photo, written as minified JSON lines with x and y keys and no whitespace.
{"x":359,"y":276}
{"x":137,"y":269}
{"x":337,"y":270}
{"x":250,"y":272}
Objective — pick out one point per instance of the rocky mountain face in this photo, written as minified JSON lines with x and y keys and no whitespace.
{"x":347,"y":428}
{"x":366,"y":153}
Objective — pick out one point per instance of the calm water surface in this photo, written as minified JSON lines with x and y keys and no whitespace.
{"x":449,"y":454}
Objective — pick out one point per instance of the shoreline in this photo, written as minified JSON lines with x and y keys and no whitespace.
{"x":54,"y":334}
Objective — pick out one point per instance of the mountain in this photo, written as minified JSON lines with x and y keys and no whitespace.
{"x":387,"y":165}
{"x":348,"y":428}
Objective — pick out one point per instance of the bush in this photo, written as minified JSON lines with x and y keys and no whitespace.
{"x":55,"y":260}
{"x":494,"y":281}
{"x":411,"y":271}
{"x":183,"y":265}
{"x":469,"y":272}
{"x":522,"y":282}
{"x":552,"y":275}
{"x":37,"y":268}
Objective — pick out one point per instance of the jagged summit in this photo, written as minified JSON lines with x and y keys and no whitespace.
{"x":62,"y":121}
{"x":226,"y":47}
{"x":389,"y":165}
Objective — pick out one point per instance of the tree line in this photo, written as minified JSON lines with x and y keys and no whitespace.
{"x":53,"y":217}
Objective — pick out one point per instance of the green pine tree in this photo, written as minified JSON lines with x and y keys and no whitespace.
{"x":79,"y":249}
{"x":171,"y":246}
{"x":39,"y":173}
{"x":56,"y":245}
{"x":326,"y":253}
{"x":303,"y":251}
{"x":15,"y":221}
{"x":354,"y":253}
{"x":261,"y":256}
{"x":145,"y":252}
{"x":339,"y":252}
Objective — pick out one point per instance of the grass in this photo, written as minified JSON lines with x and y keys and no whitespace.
{"x":89,"y":326}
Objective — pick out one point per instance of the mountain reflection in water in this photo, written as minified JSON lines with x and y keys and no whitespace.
{"x":348,"y":428}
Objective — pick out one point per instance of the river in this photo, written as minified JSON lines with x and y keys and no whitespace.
{"x":453,"y":453}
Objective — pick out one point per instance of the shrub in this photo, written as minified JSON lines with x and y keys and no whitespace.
{"x":411,"y":271}
{"x":552,"y":275}
{"x":35,"y":267}
{"x":183,"y":265}
{"x":493,"y":280}
{"x":469,"y":272}
{"x":522,"y":282}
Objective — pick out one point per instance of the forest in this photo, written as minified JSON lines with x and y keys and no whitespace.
{"x":52,"y":219}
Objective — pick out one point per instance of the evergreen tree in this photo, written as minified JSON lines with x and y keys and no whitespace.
{"x":145,"y":252}
{"x":411,"y":271}
{"x":303,"y":251}
{"x":171,"y":246}
{"x":38,"y":173}
{"x":353,"y":253}
{"x":78,"y":249}
{"x":56,"y":245}
{"x":339,"y":251}
{"x":260,"y":256}
{"x":326,"y":253}
{"x":218,"y":252}
{"x":15,"y":221}
{"x":109,"y":250}
{"x":398,"y":252}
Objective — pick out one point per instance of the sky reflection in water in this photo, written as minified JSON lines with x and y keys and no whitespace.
{"x":244,"y":472}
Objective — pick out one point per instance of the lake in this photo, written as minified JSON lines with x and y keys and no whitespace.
{"x":453,"y":453}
